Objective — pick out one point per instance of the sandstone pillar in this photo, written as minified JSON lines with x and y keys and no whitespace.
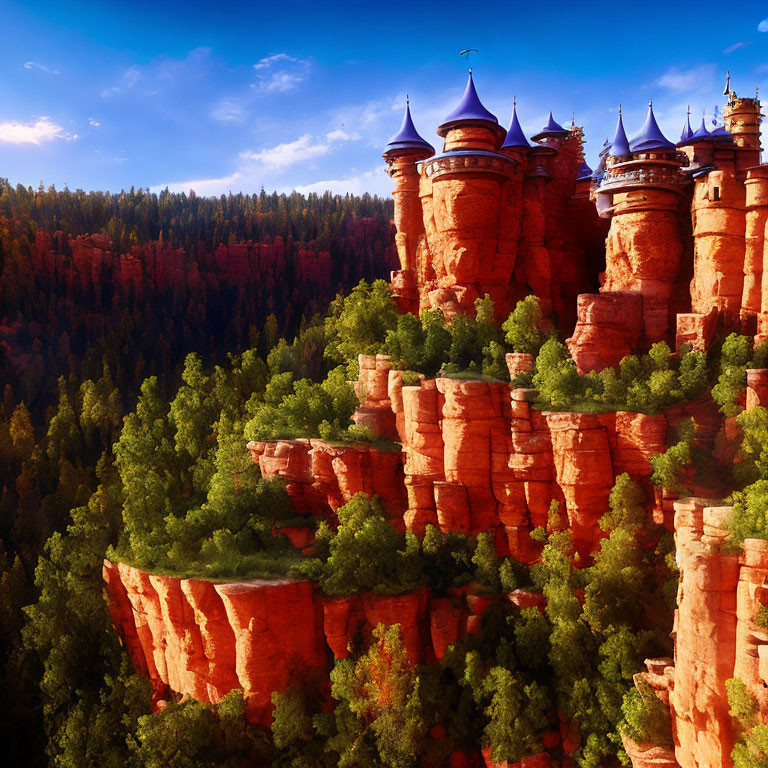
{"x":705,"y":638}
{"x":756,"y":201}
{"x":719,"y":222}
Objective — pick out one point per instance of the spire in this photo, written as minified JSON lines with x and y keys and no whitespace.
{"x":650,"y":136}
{"x":515,"y":135}
{"x":727,"y":88}
{"x":620,"y":145}
{"x":687,"y":131}
{"x":407,"y":138}
{"x":469,"y":109}
{"x":552,"y":128}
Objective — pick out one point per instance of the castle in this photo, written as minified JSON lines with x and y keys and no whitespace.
{"x":662,"y":242}
{"x":675,"y":231}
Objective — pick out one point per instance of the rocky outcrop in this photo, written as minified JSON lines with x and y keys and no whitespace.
{"x":706,"y":629}
{"x":608,"y":327}
{"x":203,"y":639}
{"x":321,"y":477}
{"x":757,"y":388}
{"x":584,"y":472}
{"x":372,"y":386}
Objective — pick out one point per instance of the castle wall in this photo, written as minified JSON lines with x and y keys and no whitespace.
{"x":719,"y":222}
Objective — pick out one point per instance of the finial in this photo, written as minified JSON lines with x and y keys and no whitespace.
{"x":619,"y":114}
{"x":650,"y":103}
{"x":514,"y":101}
{"x":470,"y":70}
{"x":407,"y":100}
{"x":727,"y":88}
{"x":757,"y":93}
{"x":689,"y":110}
{"x":573,"y":119}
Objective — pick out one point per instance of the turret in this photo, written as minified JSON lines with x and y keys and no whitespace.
{"x":755,"y":275}
{"x":640,"y":191}
{"x":742,"y":121}
{"x":471,"y":125}
{"x":699,"y":147}
{"x":402,"y":153}
{"x":463,"y":191}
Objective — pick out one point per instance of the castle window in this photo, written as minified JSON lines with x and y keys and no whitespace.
{"x":716,"y":193}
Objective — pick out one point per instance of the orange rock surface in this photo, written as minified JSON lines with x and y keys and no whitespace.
{"x":607,"y":329}
{"x":584,"y":472}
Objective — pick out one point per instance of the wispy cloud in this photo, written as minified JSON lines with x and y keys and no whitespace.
{"x":736,"y":46}
{"x":304,"y":148}
{"x":37,"y":131}
{"x":694,"y":79}
{"x":204,"y":186}
{"x":94,"y":122}
{"x":763,"y":26}
{"x":161,"y":74}
{"x":36,"y":65}
{"x":265,"y":167}
{"x":228,"y":111}
{"x":280,"y":72}
{"x":374,"y":181}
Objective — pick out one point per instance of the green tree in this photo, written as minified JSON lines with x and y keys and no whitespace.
{"x":523,"y":326}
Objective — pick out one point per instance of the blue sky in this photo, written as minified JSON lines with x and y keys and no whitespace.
{"x":219,"y":96}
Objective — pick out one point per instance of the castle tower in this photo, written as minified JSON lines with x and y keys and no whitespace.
{"x":402,"y":153}
{"x":717,"y":217}
{"x":462,"y":192}
{"x":742,"y":121}
{"x":756,"y":204}
{"x":641,"y":191}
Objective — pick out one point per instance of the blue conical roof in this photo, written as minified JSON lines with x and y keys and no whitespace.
{"x":515,"y":135}
{"x":620,"y":145}
{"x":650,"y":136}
{"x":469,"y":109}
{"x":407,"y":137}
{"x":687,"y":132}
{"x":552,"y":128}
{"x":721,"y":135}
{"x":585,"y":172}
{"x":699,"y":135}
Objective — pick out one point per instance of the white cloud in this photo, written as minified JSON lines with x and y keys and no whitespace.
{"x":341,"y":135}
{"x":283,"y":155}
{"x":697,"y":78}
{"x":280,"y":72}
{"x":202,"y":186}
{"x":94,"y":122}
{"x":303,"y":148}
{"x":40,"y":67}
{"x":36,"y":131}
{"x":763,"y":26}
{"x":270,"y":61}
{"x":736,"y":46}
{"x":228,"y":111}
{"x":375,"y":182}
{"x":266,"y":167}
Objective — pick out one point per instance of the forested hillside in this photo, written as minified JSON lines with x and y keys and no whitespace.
{"x":98,"y":292}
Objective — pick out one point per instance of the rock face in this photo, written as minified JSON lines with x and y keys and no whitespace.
{"x":320,"y":477}
{"x":607,"y":329}
{"x":479,"y":219}
{"x":203,"y":639}
{"x":716,"y":638}
{"x":477,"y":457}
